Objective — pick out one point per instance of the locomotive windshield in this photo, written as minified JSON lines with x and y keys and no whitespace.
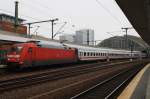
{"x":16,"y":49}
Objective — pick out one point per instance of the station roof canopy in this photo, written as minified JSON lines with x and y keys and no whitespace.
{"x":138,"y":13}
{"x":7,"y":39}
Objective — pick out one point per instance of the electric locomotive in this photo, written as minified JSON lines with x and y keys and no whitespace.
{"x":32,"y":54}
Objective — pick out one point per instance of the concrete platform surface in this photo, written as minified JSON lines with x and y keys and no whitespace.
{"x":139,"y":87}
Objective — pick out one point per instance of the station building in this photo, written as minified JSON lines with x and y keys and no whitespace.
{"x":119,"y":42}
{"x":10,"y":34}
{"x":8,"y":29}
{"x":7,"y":23}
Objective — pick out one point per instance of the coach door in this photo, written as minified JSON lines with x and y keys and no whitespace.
{"x":77,"y":54}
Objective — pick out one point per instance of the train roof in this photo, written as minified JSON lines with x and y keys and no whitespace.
{"x":88,"y":48}
{"x":50,"y":44}
{"x":56,"y":44}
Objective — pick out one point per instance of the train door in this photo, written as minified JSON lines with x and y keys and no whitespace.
{"x":30,"y":56}
{"x":77,"y":54}
{"x":107,"y":57}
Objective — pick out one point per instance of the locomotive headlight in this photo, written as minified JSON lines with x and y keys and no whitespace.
{"x":13,"y":56}
{"x":17,"y":56}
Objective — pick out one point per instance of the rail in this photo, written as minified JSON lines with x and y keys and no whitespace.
{"x":52,"y":75}
{"x":87,"y":93}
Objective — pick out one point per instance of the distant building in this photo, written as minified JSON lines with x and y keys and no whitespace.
{"x":85,"y":37}
{"x":119,"y":42}
{"x":67,"y":38}
{"x":7,"y":23}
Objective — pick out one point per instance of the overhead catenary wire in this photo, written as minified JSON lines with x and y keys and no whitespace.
{"x":61,"y":27}
{"x":37,"y":8}
{"x":109,"y":12}
{"x":43,"y":6}
{"x":10,"y":12}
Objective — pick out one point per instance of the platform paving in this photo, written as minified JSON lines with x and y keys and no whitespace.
{"x":139,"y":87}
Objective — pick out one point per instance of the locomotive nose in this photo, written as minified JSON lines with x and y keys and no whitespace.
{"x":13,"y":58}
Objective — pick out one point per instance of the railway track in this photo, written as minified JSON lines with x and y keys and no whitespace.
{"x":5,"y":73}
{"x":68,"y":83}
{"x":88,"y":81}
{"x":110,"y":87}
{"x":52,"y":75}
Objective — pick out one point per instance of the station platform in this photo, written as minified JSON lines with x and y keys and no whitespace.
{"x":139,"y":87}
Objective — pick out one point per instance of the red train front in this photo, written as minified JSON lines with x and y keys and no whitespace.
{"x":31,"y":54}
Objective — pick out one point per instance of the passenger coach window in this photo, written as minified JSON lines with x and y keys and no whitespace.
{"x":80,"y":53}
{"x":84,"y":53}
{"x":88,"y":54}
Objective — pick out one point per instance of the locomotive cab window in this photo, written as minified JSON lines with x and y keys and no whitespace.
{"x":16,"y":49}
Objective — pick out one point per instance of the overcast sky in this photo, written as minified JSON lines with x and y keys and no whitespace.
{"x":100,"y":15}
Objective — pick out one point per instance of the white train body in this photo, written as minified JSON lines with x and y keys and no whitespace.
{"x":93,"y":53}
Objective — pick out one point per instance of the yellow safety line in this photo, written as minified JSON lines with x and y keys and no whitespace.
{"x":127,"y":93}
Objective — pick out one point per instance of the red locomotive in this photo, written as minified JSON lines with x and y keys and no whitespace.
{"x":32,"y":54}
